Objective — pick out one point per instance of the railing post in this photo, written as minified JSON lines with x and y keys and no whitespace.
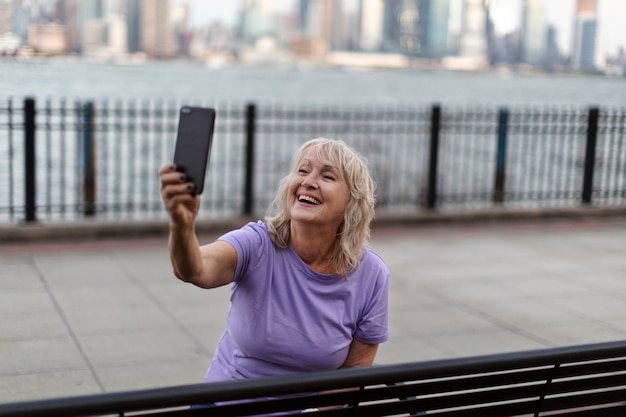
{"x":89,"y":161}
{"x":248,"y":204}
{"x":503,"y":121}
{"x":590,"y":154}
{"x":30,"y":169}
{"x":431,"y":192}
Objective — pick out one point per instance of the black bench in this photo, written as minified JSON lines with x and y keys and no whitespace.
{"x":588,"y":380}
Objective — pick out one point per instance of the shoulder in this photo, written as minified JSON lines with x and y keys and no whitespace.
{"x":252,"y":232}
{"x":371,"y":272}
{"x":250,"y":241}
{"x":371,"y":261}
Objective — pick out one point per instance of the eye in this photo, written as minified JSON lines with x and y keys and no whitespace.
{"x":329,"y":174}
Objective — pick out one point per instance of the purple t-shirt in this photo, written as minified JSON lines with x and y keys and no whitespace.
{"x":286,"y":318}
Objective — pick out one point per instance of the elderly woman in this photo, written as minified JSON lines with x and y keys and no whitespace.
{"x":306,"y":292}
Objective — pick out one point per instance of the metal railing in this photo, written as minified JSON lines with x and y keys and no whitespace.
{"x":586,"y":380}
{"x":64,"y":160}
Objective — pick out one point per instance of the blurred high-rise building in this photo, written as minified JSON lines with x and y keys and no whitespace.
{"x":303,"y":10}
{"x":352,"y":29}
{"x":587,"y":52}
{"x":473,"y":47}
{"x":20,"y":20}
{"x":180,"y":20}
{"x":404,"y":27}
{"x":47,"y":38}
{"x":339,"y":26}
{"x":371,"y":25}
{"x":586,"y":6}
{"x":157,"y":35}
{"x":87,"y":11}
{"x":113,"y":7}
{"x":324,"y":23}
{"x":443,"y":27}
{"x":133,"y":25}
{"x":104,"y":28}
{"x":93,"y":37}
{"x":533,"y":35}
{"x":66,"y":14}
{"x":9,"y":40}
{"x":553,"y":55}
{"x":6,"y":20}
{"x":321,"y":28}
{"x":41,"y":11}
{"x":116,"y":35}
{"x":258,"y":19}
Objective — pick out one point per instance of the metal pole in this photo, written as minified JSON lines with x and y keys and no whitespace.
{"x":431,"y":196}
{"x":89,"y":164}
{"x":503,"y":120}
{"x":30,"y":179}
{"x":249,"y":174}
{"x":590,"y":154}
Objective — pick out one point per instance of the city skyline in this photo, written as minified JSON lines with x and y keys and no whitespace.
{"x":506,"y":15}
{"x":470,"y":35}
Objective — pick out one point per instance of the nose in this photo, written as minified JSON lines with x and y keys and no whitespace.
{"x":309,"y":182}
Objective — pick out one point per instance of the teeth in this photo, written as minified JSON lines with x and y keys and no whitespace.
{"x":308,"y":199}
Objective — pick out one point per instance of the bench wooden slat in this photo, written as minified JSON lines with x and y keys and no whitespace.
{"x":569,"y":370}
{"x":488,"y":410}
{"x":602,"y":381}
{"x":610,"y":411}
{"x":578,"y":400}
{"x":466,"y":382}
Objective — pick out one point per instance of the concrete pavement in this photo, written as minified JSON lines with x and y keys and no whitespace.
{"x":108,"y":315}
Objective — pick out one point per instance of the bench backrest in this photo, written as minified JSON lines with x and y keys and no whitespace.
{"x":579,"y":381}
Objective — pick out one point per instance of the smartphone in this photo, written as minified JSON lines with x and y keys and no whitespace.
{"x":193,"y":143}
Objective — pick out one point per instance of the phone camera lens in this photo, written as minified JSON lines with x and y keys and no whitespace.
{"x":185,"y":110}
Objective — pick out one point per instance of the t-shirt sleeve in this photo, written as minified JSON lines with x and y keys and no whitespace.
{"x":248,"y":243}
{"x":373,"y":327}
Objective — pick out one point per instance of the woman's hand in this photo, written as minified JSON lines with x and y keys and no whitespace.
{"x":177,"y":195}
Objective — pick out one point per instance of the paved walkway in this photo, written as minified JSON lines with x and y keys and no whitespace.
{"x":83,"y":318}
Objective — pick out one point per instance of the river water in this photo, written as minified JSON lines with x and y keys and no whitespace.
{"x":78,"y":79}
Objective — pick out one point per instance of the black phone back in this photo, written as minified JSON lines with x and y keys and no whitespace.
{"x":193,"y":143}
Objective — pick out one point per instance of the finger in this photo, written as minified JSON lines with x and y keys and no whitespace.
{"x":168,"y":174}
{"x":167,"y":168}
{"x":173,"y":178}
{"x":175,"y":189}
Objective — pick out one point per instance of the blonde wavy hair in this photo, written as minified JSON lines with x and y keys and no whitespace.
{"x":353,"y":234}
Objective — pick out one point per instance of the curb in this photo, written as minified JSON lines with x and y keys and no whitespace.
{"x":96,"y":229}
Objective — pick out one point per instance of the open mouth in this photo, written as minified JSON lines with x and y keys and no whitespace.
{"x":307,"y":199}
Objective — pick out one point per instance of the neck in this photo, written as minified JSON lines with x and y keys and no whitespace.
{"x":313,"y":244}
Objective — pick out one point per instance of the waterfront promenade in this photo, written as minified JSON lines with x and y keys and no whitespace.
{"x":105,"y":315}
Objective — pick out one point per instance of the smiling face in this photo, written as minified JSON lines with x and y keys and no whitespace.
{"x":318,"y":193}
{"x":328,"y":194}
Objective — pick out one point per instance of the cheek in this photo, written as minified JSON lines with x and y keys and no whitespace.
{"x":345,"y":197}
{"x":346,"y":194}
{"x":294,"y":184}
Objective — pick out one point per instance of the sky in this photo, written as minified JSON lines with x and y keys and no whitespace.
{"x":505,"y":12}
